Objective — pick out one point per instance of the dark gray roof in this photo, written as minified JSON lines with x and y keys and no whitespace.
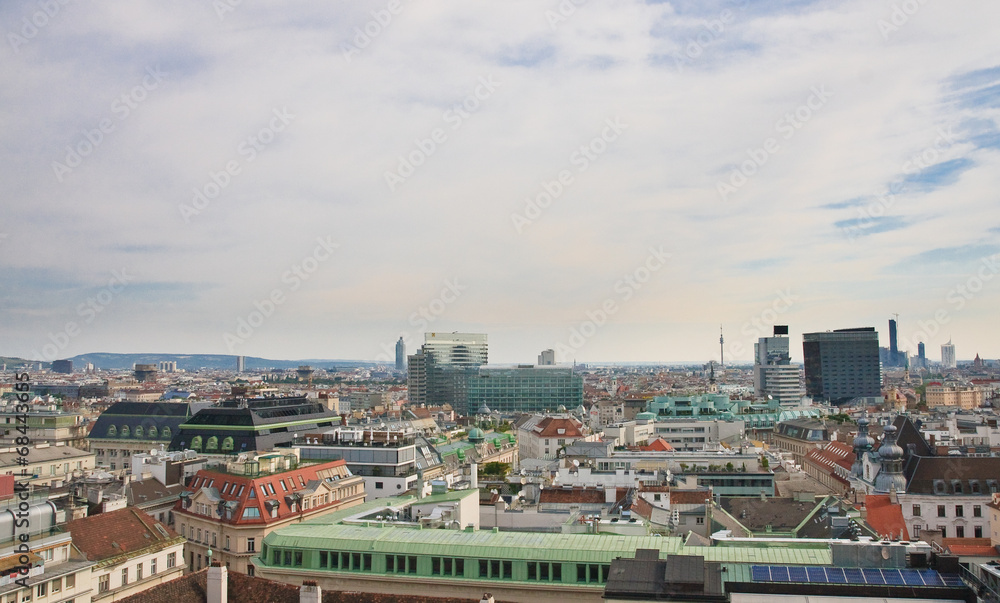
{"x":160,"y":415}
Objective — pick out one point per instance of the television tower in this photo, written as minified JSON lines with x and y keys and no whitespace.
{"x":722,"y":349}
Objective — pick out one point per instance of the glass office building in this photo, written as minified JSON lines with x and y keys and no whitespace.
{"x":525,"y":388}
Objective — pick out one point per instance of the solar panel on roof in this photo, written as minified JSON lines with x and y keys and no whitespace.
{"x":797,"y":574}
{"x":873,"y":576}
{"x":761,"y":573}
{"x":854,"y":576}
{"x":911,"y":577}
{"x":779,"y":574}
{"x":892,"y":576}
{"x":952,"y":579}
{"x":816,"y":574}
{"x":835,"y":575}
{"x":931,"y":578}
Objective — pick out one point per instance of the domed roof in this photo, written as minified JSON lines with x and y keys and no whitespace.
{"x":890,"y":450}
{"x":476,"y":435}
{"x":561,"y":408}
{"x":581,"y":410}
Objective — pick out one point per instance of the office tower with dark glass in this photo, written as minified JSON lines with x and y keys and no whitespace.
{"x":774,"y":375}
{"x":439,"y":372}
{"x":842,"y":365}
{"x":921,"y":355}
{"x":400,"y":355}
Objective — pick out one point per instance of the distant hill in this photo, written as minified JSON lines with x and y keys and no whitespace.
{"x":13,"y":362}
{"x":193,"y":362}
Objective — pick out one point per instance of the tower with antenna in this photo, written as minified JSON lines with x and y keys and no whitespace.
{"x":722,"y":349}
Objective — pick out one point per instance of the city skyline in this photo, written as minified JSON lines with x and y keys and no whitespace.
{"x":610,"y":181}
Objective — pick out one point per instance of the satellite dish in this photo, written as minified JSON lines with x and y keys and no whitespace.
{"x":152,"y":452}
{"x":576,"y":463}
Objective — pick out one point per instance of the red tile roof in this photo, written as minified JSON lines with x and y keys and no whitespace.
{"x":239,"y":488}
{"x":688,"y":497}
{"x":552,"y":427}
{"x":884,"y":517}
{"x":118,"y":532}
{"x":657,"y":445}
{"x":970,"y":547}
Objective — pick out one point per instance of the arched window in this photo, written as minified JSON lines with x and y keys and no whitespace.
{"x":227,"y":444}
{"x":165,"y":433}
{"x":196,"y":443}
{"x":112,"y":431}
{"x":125,"y":431}
{"x":138,"y":431}
{"x":152,"y":432}
{"x":213,"y":444}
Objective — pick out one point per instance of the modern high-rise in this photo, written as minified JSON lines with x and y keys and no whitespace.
{"x":524,"y":389}
{"x":921,"y":355}
{"x":439,"y":371}
{"x":774,"y":375}
{"x":547,"y":358}
{"x":842,"y":365}
{"x":948,"y":355}
{"x":400,"y":355}
{"x":62,"y":366}
{"x":241,"y":364}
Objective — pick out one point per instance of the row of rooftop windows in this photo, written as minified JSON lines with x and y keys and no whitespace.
{"x":152,"y":433}
{"x":493,"y":569}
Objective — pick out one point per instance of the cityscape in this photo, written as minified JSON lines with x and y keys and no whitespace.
{"x":500,"y":302}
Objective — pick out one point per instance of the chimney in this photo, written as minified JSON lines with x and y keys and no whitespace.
{"x":218,"y":584}
{"x":310,"y":592}
{"x":487,"y":598}
{"x":474,"y":468}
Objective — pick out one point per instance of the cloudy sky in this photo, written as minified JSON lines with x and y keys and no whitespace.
{"x":612,"y":179}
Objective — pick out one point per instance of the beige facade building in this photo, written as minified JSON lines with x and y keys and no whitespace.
{"x":231,"y":509}
{"x":47,"y":465}
{"x":960,"y":396}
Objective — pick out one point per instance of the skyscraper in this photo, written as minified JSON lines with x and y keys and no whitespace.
{"x":948,"y":355}
{"x":774,"y":375}
{"x":440,"y":370}
{"x":547,"y":358}
{"x":842,"y":365}
{"x":921,"y":355}
{"x":241,"y":364}
{"x":400,"y":355}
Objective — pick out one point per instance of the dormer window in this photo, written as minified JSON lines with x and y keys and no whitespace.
{"x":939,"y":487}
{"x":112,"y":431}
{"x":956,"y":486}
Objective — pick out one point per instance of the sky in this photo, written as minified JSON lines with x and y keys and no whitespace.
{"x":614,"y":180}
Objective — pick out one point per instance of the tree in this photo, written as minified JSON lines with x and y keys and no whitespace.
{"x":729,"y":466}
{"x":495,"y":468}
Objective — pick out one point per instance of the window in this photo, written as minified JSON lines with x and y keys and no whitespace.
{"x":977,"y":511}
{"x":324,"y":558}
{"x":944,"y":531}
{"x":281,"y":482}
{"x":56,"y":585}
{"x":298,"y":558}
{"x":700,"y":520}
{"x":171,"y":560}
{"x":916,"y":531}
{"x":959,"y":510}
{"x":251,"y":513}
{"x":227,"y":543}
{"x":916,"y":510}
{"x":960,"y":532}
{"x":287,"y":558}
{"x":70,"y":581}
{"x":124,"y":576}
{"x":199,"y":535}
{"x":411,"y":565}
{"x":152,"y":566}
{"x":378,"y":485}
{"x":138,"y":572}
{"x":251,"y":545}
{"x":390,"y":563}
{"x":941,"y":511}
{"x":977,"y":532}
{"x":42,"y":589}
